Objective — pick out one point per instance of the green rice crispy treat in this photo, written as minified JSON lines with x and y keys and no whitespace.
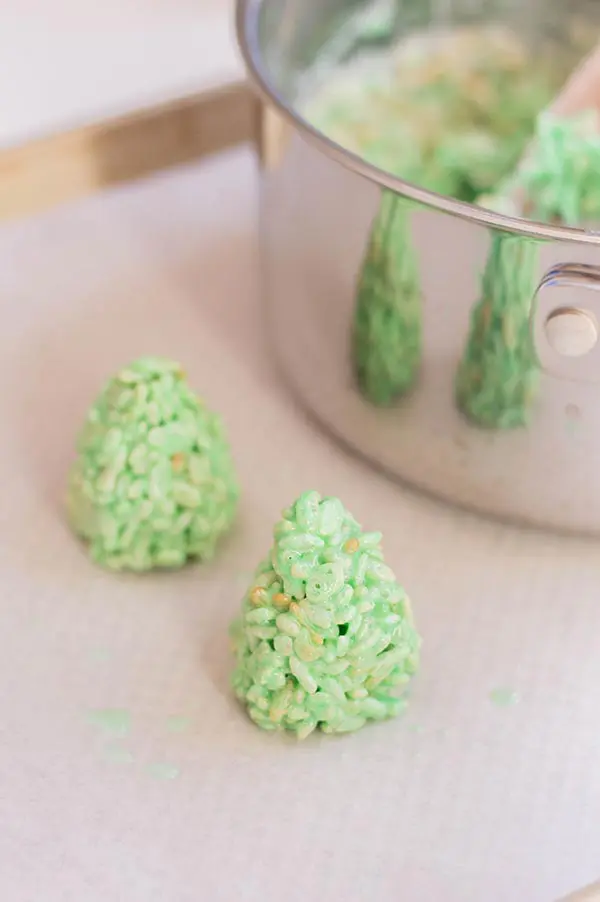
{"x":154,"y":483}
{"x":326,"y":637}
{"x":559,"y":179}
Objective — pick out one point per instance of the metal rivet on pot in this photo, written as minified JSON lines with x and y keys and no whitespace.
{"x":571,"y":331}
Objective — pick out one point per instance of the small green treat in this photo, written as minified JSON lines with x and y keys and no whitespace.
{"x":560,"y":177}
{"x":112,"y":720}
{"x":503,"y":697}
{"x":154,"y":483}
{"x":561,"y":180}
{"x":326,"y":635}
{"x":386,"y":339}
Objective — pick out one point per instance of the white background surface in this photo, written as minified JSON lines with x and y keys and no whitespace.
{"x":459,"y":802}
{"x":66,"y":63}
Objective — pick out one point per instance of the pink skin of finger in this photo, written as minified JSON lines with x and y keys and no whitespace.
{"x":582,"y":90}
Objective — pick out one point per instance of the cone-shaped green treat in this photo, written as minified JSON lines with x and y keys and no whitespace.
{"x":559,"y":179}
{"x":325,"y":637}
{"x":387,"y":324}
{"x":154,"y":483}
{"x":498,"y":374}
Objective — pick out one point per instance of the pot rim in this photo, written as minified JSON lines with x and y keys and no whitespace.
{"x":247,"y":29}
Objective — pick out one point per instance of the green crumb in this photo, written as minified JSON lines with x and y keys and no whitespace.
{"x":114,"y":721}
{"x":154,"y":483}
{"x":497,"y":377}
{"x":163,"y":771}
{"x":326,"y":637}
{"x":503,"y":697}
{"x":387,"y":324}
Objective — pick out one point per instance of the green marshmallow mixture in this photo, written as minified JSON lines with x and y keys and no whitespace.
{"x":560,"y":179}
{"x":154,"y":483}
{"x":452,"y":112}
{"x":455,"y":112}
{"x":326,"y":637}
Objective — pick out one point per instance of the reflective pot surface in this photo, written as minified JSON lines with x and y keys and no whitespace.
{"x":461,"y":355}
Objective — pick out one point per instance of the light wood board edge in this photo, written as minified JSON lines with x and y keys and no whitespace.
{"x":65,"y":166}
{"x":273,"y":136}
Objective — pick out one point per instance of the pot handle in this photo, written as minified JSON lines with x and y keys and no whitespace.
{"x":565,"y":322}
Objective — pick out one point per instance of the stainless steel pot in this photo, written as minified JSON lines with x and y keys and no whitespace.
{"x":319,"y":207}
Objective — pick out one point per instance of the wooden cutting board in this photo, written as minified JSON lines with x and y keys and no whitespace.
{"x":63,"y":166}
{"x":93,"y":94}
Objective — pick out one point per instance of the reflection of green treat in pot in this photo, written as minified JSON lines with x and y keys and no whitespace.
{"x":325,"y":638}
{"x":497,"y":376}
{"x":153,"y":484}
{"x":386,"y":339}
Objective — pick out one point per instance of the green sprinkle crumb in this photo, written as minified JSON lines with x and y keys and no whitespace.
{"x":163,"y":771}
{"x":115,"y":721}
{"x":504,"y":697}
{"x":325,"y":639}
{"x":154,"y":483}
